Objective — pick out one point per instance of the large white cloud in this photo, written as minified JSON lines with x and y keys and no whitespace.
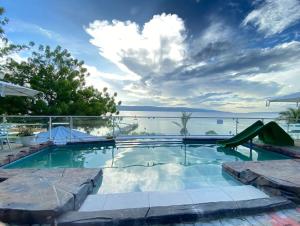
{"x":156,"y":48}
{"x":274,"y":16}
{"x":163,"y":65}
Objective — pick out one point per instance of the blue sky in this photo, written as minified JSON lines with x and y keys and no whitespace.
{"x":225,"y":55}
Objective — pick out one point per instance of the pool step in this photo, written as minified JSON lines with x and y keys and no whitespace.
{"x":143,"y":208}
{"x":151,"y":143}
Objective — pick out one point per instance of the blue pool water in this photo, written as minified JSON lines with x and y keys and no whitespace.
{"x":148,"y":167}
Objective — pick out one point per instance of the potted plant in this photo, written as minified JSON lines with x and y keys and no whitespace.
{"x":26,"y":136}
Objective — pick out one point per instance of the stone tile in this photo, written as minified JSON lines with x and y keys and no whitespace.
{"x":132,"y":217}
{"x":162,"y":215}
{"x":277,"y":177}
{"x":41,"y":195}
{"x":169,"y":198}
{"x":25,"y":198}
{"x":245,"y":192}
{"x":236,"y":222}
{"x":93,"y":203}
{"x":126,"y":201}
{"x":207,"y":195}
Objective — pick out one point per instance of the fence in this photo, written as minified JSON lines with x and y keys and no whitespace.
{"x":140,"y":126}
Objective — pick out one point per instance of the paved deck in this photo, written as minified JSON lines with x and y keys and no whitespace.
{"x":277,"y":177}
{"x":40,"y":195}
{"x":287,"y":217}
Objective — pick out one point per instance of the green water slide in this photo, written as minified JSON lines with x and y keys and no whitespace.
{"x":271,"y":133}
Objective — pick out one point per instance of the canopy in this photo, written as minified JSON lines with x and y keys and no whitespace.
{"x":10,"y":89}
{"x":61,"y":135}
{"x":291,"y":98}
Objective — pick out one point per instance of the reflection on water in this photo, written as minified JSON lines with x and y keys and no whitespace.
{"x":141,"y":167}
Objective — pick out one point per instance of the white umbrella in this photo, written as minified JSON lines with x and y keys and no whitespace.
{"x":291,"y":98}
{"x":10,"y":89}
{"x":61,"y":135}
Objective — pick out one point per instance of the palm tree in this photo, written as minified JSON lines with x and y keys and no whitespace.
{"x":185,"y":117}
{"x":291,"y":115}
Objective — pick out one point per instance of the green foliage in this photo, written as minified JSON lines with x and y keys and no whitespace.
{"x":211,"y":132}
{"x":3,"y":21}
{"x":291,"y":115}
{"x":7,"y":48}
{"x":25,"y":131}
{"x":59,"y":76}
{"x":61,"y":79}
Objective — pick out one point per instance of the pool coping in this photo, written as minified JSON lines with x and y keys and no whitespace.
{"x":173,"y":214}
{"x":25,"y":153}
{"x":275,"y":177}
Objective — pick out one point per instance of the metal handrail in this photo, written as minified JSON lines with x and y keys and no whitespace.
{"x":130,"y":116}
{"x":50,"y":121}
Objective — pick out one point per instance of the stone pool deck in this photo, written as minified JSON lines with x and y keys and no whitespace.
{"x":151,"y":208}
{"x":40,"y":195}
{"x":276,"y":177}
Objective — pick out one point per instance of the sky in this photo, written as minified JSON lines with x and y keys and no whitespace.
{"x":224,"y":55}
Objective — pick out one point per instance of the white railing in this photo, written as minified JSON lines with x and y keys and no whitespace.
{"x":141,"y":126}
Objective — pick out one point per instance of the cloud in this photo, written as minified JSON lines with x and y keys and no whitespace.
{"x":163,"y":64}
{"x":22,"y":26}
{"x":156,"y":48}
{"x":271,"y":17}
{"x":111,"y":76}
{"x":17,"y":56}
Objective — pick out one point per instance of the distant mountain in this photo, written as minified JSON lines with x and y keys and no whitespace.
{"x":165,"y":109}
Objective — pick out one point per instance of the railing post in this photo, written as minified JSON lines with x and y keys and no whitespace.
{"x":71,"y":127}
{"x":236,"y":126}
{"x":113,"y":124}
{"x":50,"y":128}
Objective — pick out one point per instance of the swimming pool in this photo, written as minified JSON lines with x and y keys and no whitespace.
{"x":152,"y":166}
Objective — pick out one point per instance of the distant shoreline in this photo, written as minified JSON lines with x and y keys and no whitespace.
{"x":179,"y":109}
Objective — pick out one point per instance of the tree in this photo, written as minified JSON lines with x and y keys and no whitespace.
{"x":185,"y":117}
{"x":61,"y":80}
{"x":7,"y":48}
{"x":3,"y":21}
{"x":291,"y":115}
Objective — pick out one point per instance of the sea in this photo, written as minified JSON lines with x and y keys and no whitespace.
{"x":200,"y":123}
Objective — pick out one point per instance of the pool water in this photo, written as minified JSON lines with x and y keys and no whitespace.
{"x":131,"y":167}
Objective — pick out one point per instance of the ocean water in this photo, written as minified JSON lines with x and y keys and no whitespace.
{"x":200,"y":123}
{"x":200,"y":114}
